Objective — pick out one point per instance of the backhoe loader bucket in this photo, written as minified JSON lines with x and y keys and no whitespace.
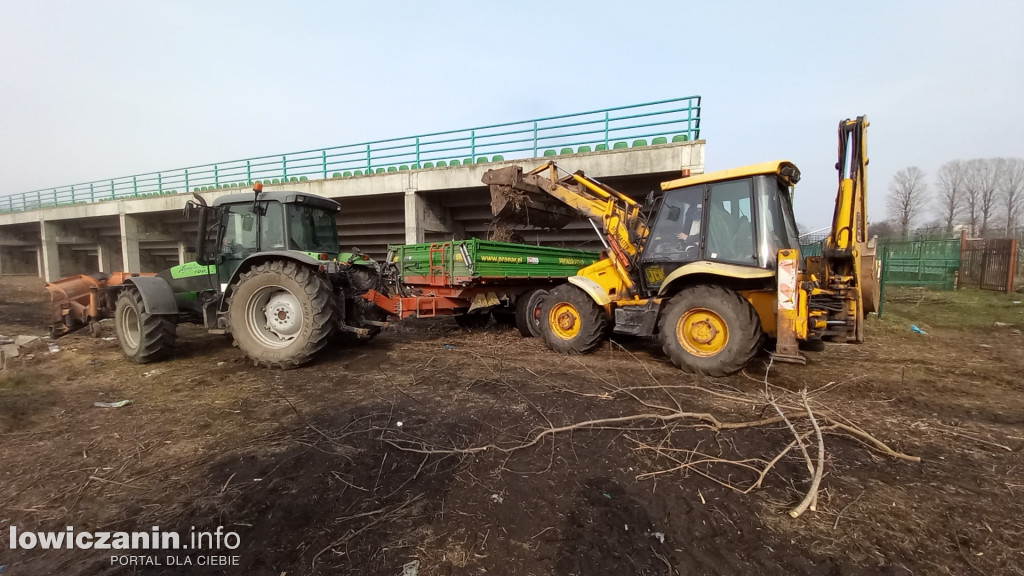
{"x":76,"y":301}
{"x":518,"y":201}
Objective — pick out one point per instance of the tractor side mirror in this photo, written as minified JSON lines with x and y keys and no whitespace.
{"x":200,"y":250}
{"x":248,"y":220}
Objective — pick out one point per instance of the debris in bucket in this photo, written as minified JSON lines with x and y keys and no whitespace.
{"x":119,"y":404}
{"x":914,"y":328}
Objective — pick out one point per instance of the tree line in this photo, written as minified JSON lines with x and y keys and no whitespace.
{"x":982,"y":195}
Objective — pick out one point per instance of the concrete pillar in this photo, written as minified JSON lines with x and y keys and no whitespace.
{"x":49,"y":254}
{"x":183,"y":253}
{"x":414,"y":230}
{"x":130,"y":254}
{"x":423,"y":215}
{"x":103,"y":256}
{"x":39,"y":262}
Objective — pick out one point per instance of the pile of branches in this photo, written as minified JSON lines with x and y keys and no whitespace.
{"x":804,"y":416}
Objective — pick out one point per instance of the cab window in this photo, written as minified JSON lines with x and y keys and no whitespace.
{"x":730,"y":234}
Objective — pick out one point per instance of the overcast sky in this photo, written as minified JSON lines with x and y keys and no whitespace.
{"x":93,"y":90}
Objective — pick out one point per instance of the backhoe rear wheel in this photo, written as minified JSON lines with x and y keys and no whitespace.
{"x":281,"y":314}
{"x":571,"y":322}
{"x":144,"y":337}
{"x":709,"y":330}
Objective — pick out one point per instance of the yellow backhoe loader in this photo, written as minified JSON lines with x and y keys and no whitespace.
{"x":711,"y":264}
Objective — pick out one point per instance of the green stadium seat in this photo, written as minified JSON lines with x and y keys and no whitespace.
{"x":620,"y":145}
{"x":550,"y":153}
{"x":498,"y":158}
{"x":453,"y":163}
{"x":276,"y":181}
{"x":441,"y":164}
{"x":680,"y":138}
{"x":392,"y":169}
{"x":639,"y":143}
{"x":467,"y":161}
{"x":414,"y":166}
{"x":336,"y":175}
{"x":481,"y":160}
{"x":196,"y":189}
{"x":600,"y":148}
{"x":379,"y":171}
{"x":403,"y":168}
{"x":303,"y":179}
{"x":659,"y":140}
{"x":347,"y":174}
{"x":583,"y":149}
{"x":357,"y":173}
{"x":566,"y":151}
{"x":294,"y":179}
{"x":427,"y":165}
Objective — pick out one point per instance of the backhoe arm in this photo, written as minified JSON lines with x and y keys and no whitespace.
{"x":545,"y":198}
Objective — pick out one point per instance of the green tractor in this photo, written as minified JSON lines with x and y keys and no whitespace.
{"x":268,"y":271}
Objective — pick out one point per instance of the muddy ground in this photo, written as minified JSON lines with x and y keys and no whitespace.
{"x":350,"y":465}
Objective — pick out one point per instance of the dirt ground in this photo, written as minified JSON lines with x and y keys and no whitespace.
{"x":353,"y":465}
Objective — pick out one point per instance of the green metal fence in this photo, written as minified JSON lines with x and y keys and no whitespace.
{"x":652,"y":123}
{"x":927,"y":263}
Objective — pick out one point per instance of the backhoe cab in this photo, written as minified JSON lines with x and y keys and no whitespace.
{"x":710,"y":265}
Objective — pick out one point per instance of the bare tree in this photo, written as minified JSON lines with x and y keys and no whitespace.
{"x":980,"y":180}
{"x":907,"y":197}
{"x":1011,"y":190}
{"x":951,"y":191}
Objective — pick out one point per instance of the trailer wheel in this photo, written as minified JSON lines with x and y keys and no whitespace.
{"x":472,"y":321}
{"x":528,"y":312}
{"x":281,"y":314}
{"x":709,"y":330}
{"x":571,"y":322}
{"x":144,"y":337}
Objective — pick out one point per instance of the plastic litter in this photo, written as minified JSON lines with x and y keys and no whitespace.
{"x":659,"y":536}
{"x":497,"y":499}
{"x":1003,"y":325}
{"x":914,"y":328}
{"x":411,"y":568}
{"x":448,"y":346}
{"x":120,"y":404}
{"x":53,"y":348}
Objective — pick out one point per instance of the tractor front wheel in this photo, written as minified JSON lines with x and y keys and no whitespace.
{"x":281,"y":314}
{"x":144,"y":337}
{"x":709,"y":330}
{"x":571,"y":322}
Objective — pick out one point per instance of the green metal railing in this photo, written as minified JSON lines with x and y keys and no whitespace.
{"x":675,"y":120}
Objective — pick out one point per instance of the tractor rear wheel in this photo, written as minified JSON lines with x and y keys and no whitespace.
{"x":709,"y":330}
{"x":144,"y":337}
{"x":281,"y":314}
{"x":571,"y":322}
{"x":528,"y":312}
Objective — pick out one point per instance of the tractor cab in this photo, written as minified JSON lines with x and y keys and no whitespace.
{"x":724,"y":220}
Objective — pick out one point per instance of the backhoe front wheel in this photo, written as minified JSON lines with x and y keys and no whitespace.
{"x":709,"y":330}
{"x":571,"y":322}
{"x":144,"y":337}
{"x":281,"y":314}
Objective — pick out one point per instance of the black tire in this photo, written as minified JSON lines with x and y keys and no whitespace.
{"x":471,"y":321}
{"x":299,"y":296}
{"x":528,"y":312}
{"x":707,"y":348}
{"x":144,"y":337}
{"x":571,"y":322}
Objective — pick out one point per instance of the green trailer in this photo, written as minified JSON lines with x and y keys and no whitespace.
{"x":475,"y":279}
